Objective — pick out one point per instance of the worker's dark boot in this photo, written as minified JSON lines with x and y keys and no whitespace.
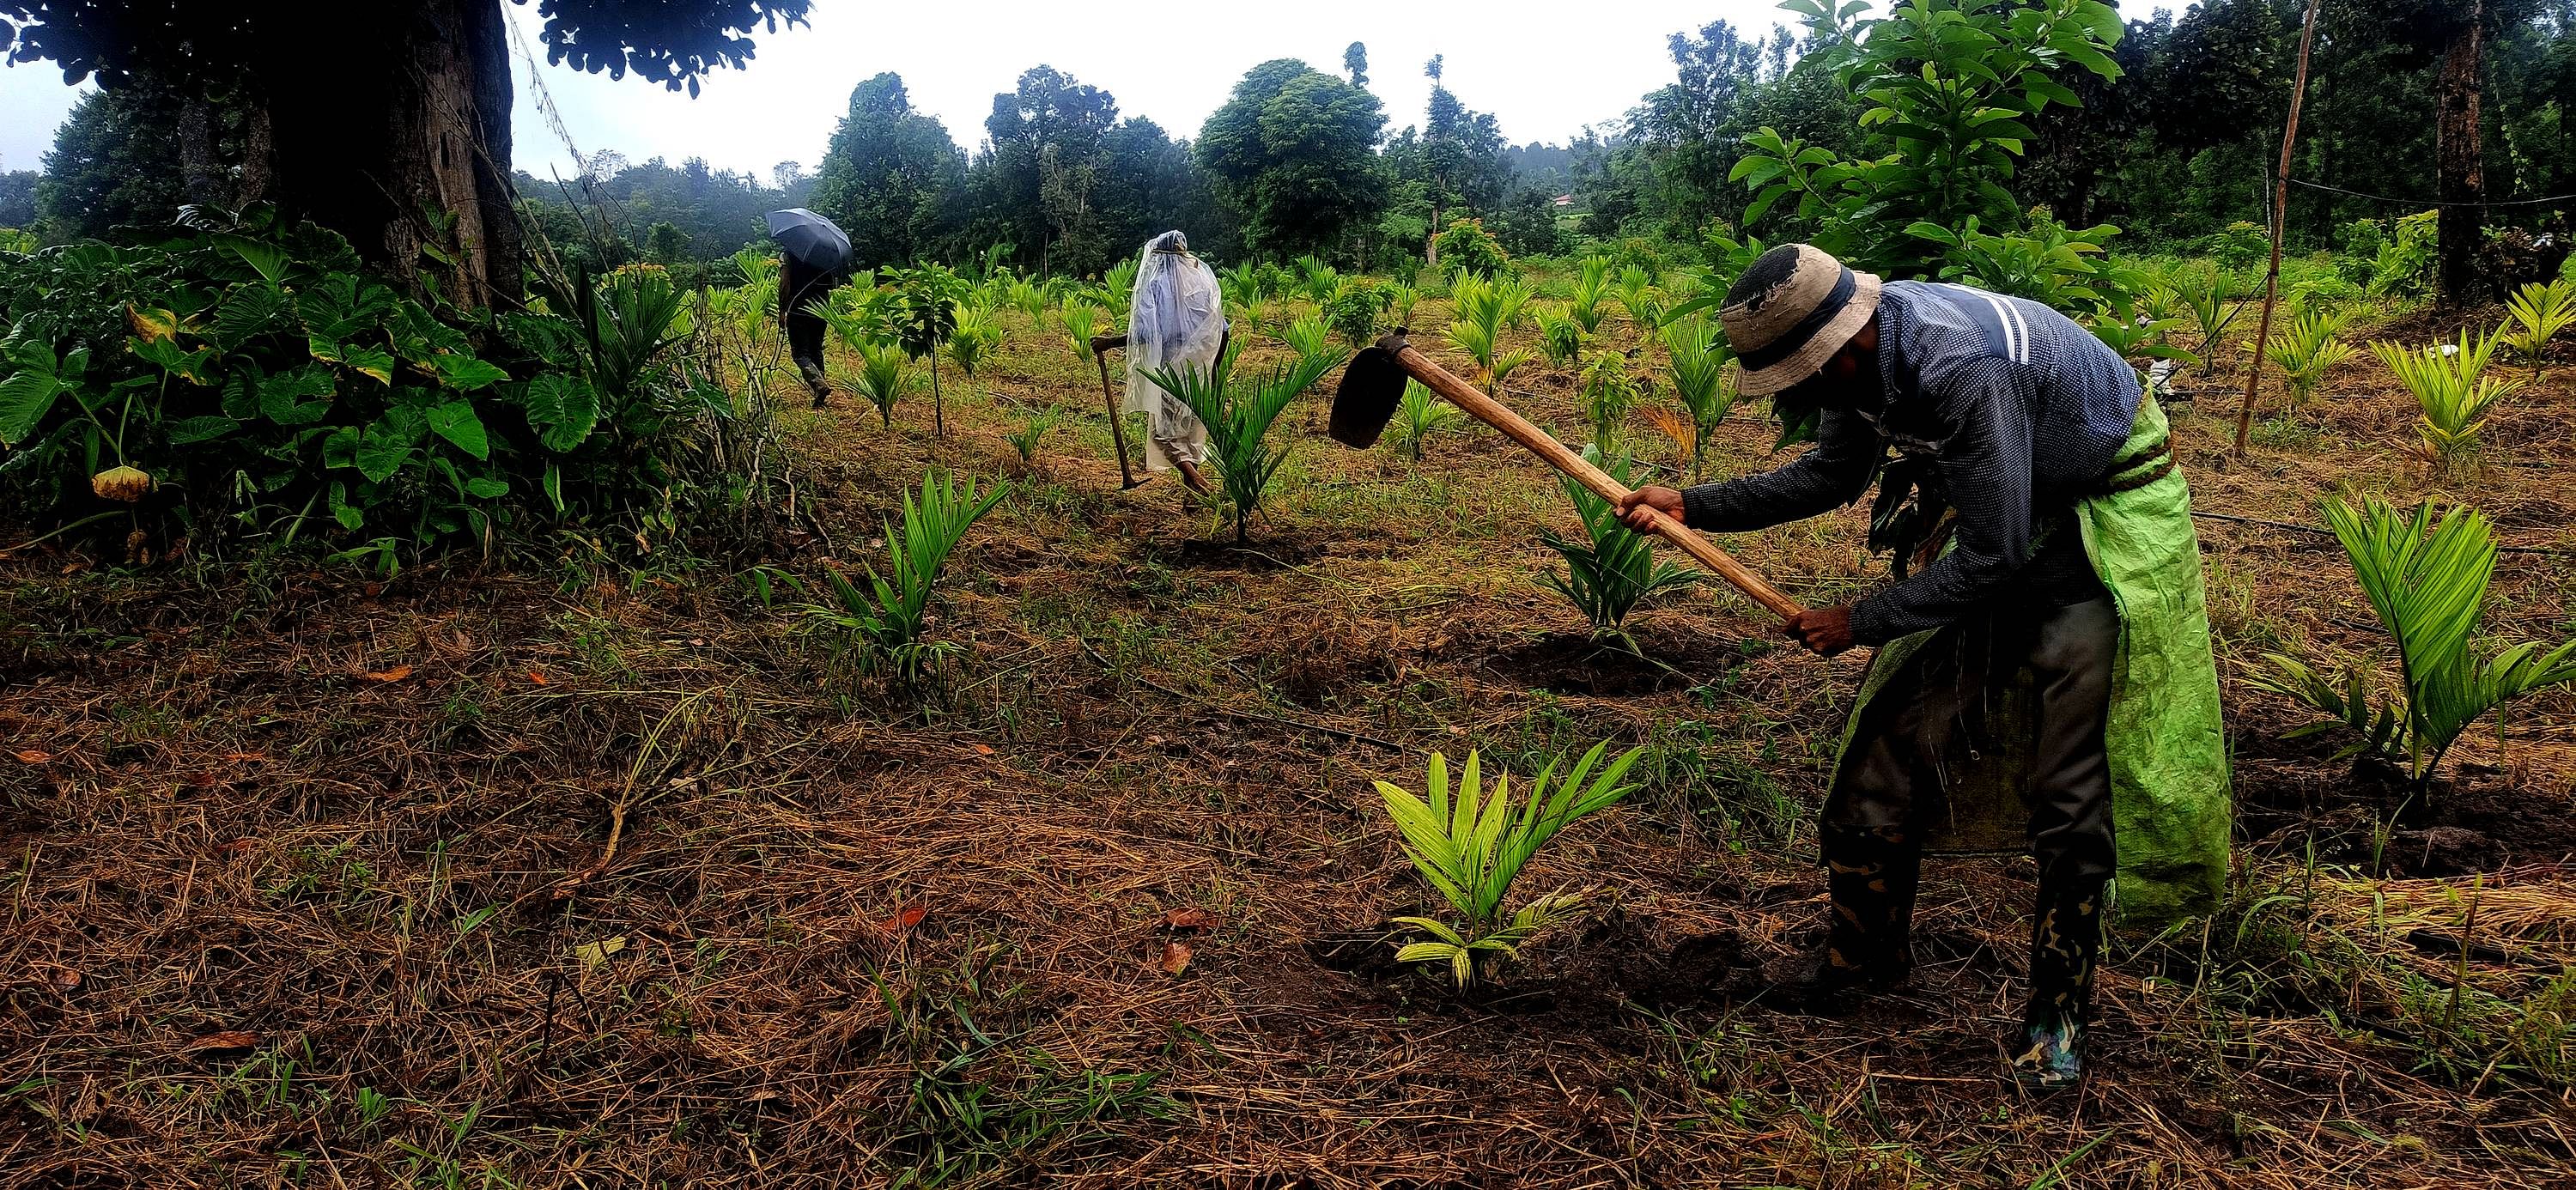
{"x":1870,"y":878}
{"x":812,"y":373}
{"x":2065,"y":944}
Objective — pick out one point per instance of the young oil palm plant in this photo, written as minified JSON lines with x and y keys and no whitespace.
{"x":1470,"y":845}
{"x":1702,"y":381}
{"x":2211,"y":299}
{"x":1612,"y":571}
{"x":2306,"y":348}
{"x":1028,"y":297}
{"x":1308,"y":337}
{"x":2451,"y":387}
{"x":1401,"y":298}
{"x":1025,"y":439}
{"x":2535,"y":314}
{"x":1591,"y":285}
{"x":883,"y":620}
{"x":884,"y":373}
{"x":1418,"y":416}
{"x":1316,"y":280}
{"x":1637,"y":296}
{"x":1238,"y":418}
{"x":2427,"y":580}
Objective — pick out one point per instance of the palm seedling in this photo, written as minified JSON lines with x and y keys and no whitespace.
{"x":1636,"y":289}
{"x":2306,"y":347}
{"x":884,"y":619}
{"x":1317,"y":280}
{"x":1701,"y":380}
{"x":1591,"y":285}
{"x":2211,"y":301}
{"x":1120,"y":282}
{"x":1401,"y":298}
{"x":1025,"y":439}
{"x":1308,"y":337}
{"x":1081,"y":322}
{"x":2450,"y":385}
{"x":2428,"y":583}
{"x":884,"y":373}
{"x":1418,"y":416}
{"x":1470,"y":845}
{"x":1238,"y":417}
{"x":1028,"y":297}
{"x":1560,"y":338}
{"x":2535,"y":314}
{"x":1483,"y":313}
{"x":974,"y":339}
{"x":1243,"y":289}
{"x":1612,"y":571}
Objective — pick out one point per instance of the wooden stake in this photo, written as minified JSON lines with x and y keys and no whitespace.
{"x":2280,"y":219}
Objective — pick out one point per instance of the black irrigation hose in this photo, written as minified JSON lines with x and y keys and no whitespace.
{"x":2435,"y":202}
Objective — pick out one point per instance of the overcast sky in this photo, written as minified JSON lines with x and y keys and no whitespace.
{"x":1544,"y":71}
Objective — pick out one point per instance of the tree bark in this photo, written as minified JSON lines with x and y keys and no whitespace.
{"x":399,"y":139}
{"x":2458,"y":156}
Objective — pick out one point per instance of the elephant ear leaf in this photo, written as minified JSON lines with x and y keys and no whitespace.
{"x":456,"y":422}
{"x":464,"y":373}
{"x":188,"y":431}
{"x":28,"y":392}
{"x":267,"y":259}
{"x":296,"y":398}
{"x":562,"y":408}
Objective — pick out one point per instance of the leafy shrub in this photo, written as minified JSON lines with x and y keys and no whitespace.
{"x":2536,"y":314}
{"x":1613,"y":570}
{"x":1609,"y":392}
{"x":1467,"y":247}
{"x":2046,"y":262}
{"x":259,"y":378}
{"x":2405,"y":264}
{"x":1354,"y":308}
{"x":1238,"y":418}
{"x":884,"y":620}
{"x":2450,"y":386}
{"x":2359,"y":259}
{"x":2241,"y":247}
{"x":926,"y":318}
{"x":1470,"y":847}
{"x":2428,"y":583}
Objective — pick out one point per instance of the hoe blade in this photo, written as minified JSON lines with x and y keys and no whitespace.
{"x":1372,"y":386}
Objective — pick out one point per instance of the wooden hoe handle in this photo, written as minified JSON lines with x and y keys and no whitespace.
{"x":1494,"y":413}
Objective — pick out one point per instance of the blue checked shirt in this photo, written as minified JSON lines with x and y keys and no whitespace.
{"x":2022,"y":412}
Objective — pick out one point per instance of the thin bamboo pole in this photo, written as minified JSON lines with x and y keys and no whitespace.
{"x":2280,"y":220}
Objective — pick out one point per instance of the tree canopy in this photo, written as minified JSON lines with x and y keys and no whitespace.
{"x":1294,"y":150}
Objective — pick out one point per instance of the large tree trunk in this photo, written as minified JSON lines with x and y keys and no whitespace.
{"x":2457,"y":154}
{"x":398,"y":137}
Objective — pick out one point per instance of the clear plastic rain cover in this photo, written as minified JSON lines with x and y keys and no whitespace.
{"x":1177,"y":320}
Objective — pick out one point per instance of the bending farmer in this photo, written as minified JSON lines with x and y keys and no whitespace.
{"x":2044,"y":675}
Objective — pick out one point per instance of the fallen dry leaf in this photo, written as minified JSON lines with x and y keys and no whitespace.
{"x":230,"y":1039}
{"x":593,"y":954}
{"x":234,"y":847}
{"x":63,"y":979}
{"x":31,"y":756}
{"x":395,"y":674}
{"x":1192,"y":918}
{"x":245,"y":756}
{"x":983,"y":749}
{"x":1176,"y":958}
{"x":903,"y":921}
{"x":536,"y":677}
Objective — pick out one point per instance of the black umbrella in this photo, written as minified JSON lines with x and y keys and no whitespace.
{"x":811,"y":238}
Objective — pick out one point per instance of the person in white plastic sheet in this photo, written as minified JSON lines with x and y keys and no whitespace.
{"x":1177,"y":321}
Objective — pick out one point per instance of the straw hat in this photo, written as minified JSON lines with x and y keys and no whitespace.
{"x":1791,"y":312}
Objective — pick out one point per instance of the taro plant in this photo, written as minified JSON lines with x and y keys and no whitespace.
{"x":2535,"y":314}
{"x":1702,"y":381}
{"x":1612,"y":571}
{"x":2306,"y":348}
{"x":1470,"y":844}
{"x":2450,"y":385}
{"x":1238,"y":417}
{"x":883,"y":620}
{"x":2427,"y":580}
{"x":1418,"y":416}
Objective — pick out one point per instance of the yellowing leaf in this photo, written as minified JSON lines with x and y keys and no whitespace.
{"x":592,"y":954}
{"x":153,"y":325}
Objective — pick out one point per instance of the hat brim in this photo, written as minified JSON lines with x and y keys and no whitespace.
{"x":1807,"y":360}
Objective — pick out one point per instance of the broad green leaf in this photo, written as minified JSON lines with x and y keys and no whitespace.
{"x":456,"y":422}
{"x":247,"y":311}
{"x":165,"y":355}
{"x":347,"y":514}
{"x":383,"y":449}
{"x":562,"y":408}
{"x":188,"y":431}
{"x":25,"y":397}
{"x":296,"y":398}
{"x":267,"y":259}
{"x":485,"y":488}
{"x":464,"y":373}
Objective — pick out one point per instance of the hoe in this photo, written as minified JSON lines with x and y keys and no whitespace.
{"x":1374,"y":384}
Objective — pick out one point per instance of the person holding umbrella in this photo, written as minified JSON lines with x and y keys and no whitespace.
{"x":817,"y":257}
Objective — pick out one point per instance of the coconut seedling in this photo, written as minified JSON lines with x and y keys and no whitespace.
{"x":1470,"y":844}
{"x":1591,"y":285}
{"x":1238,"y":417}
{"x":2451,"y":387}
{"x":2534,"y":315}
{"x":2427,"y":581}
{"x":882,"y":622}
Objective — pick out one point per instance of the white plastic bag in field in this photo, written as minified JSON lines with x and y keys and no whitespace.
{"x":1176,"y":321}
